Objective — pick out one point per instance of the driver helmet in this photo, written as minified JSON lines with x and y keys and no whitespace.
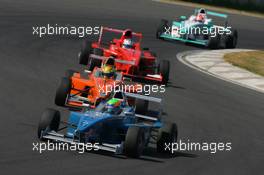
{"x":127,"y":43}
{"x":108,"y":67}
{"x":113,"y":104}
{"x":108,"y":70}
{"x":201,"y":15}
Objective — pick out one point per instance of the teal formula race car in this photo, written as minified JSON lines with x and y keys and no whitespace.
{"x":201,"y":29}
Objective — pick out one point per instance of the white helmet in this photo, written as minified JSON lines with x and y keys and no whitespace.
{"x":127,"y":43}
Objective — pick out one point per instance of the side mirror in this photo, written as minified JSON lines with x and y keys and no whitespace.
{"x":183,"y":18}
{"x":127,"y":79}
{"x":87,"y":71}
{"x":128,"y":113}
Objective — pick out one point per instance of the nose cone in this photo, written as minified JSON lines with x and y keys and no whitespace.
{"x":90,"y":119}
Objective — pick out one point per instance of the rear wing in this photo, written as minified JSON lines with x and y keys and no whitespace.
{"x":221,"y":15}
{"x":150,"y":117}
{"x":212,"y":13}
{"x":215,"y":14}
{"x":143,"y":97}
{"x":108,"y":29}
{"x":93,"y":56}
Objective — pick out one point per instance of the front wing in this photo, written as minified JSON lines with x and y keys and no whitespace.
{"x":170,"y":37}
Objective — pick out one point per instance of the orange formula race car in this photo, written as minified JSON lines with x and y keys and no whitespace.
{"x":88,"y":88}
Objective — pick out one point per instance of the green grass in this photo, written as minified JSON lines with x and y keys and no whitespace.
{"x":252,"y":61}
{"x":250,"y":7}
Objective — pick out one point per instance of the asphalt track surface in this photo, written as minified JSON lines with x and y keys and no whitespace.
{"x":205,"y":108}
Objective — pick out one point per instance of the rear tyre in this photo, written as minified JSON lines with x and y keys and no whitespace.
{"x":94,"y":63}
{"x":164,"y":70}
{"x":141,"y":106}
{"x":63,"y":91}
{"x":134,"y":142}
{"x":50,"y":120}
{"x":167,"y":134}
{"x":231,"y":40}
{"x":85,"y":52}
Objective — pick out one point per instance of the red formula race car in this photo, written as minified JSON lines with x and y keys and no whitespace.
{"x":125,"y":47}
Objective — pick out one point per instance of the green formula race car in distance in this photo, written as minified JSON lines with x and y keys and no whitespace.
{"x":200,"y":29}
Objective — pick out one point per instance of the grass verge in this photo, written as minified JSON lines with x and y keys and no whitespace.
{"x":246,"y":6}
{"x":252,"y":61}
{"x":227,"y":9}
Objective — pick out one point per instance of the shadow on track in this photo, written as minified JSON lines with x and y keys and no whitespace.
{"x":174,"y":86}
{"x":150,"y":154}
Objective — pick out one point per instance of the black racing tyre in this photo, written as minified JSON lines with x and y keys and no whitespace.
{"x":134,"y":142}
{"x":69,"y":73}
{"x":62,"y":91}
{"x":50,"y":120}
{"x":85,"y":52}
{"x":94,"y":63}
{"x":214,"y":42}
{"x":231,"y":39}
{"x":223,"y":41}
{"x":141,"y":106}
{"x":168,"y":133}
{"x":161,"y":28}
{"x":98,"y":51}
{"x":164,"y":70}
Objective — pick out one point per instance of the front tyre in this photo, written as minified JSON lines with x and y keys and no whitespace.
{"x":85,"y":52}
{"x":49,"y":121}
{"x":98,"y":51}
{"x":69,"y":73}
{"x":164,"y":70}
{"x":162,"y":28}
{"x":134,"y":142}
{"x":63,"y":91}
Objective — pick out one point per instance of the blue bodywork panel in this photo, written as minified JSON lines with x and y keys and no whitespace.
{"x":100,"y":125}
